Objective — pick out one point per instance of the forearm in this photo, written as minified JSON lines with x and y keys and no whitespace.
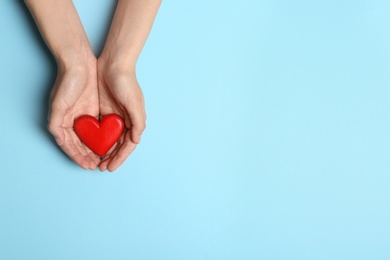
{"x":62,"y":30}
{"x":129,"y":30}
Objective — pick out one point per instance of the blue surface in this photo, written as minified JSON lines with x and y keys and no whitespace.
{"x":267,"y":138}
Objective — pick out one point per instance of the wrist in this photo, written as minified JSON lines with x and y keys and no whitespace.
{"x":70,"y":58}
{"x":117,"y":63}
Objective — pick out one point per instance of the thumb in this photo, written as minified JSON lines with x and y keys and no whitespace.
{"x":137,"y":125}
{"x":56,"y":117}
{"x":136,"y":132}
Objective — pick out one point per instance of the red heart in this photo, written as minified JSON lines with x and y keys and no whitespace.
{"x":99,"y":137}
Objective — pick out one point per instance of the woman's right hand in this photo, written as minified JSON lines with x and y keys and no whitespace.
{"x":75,"y":93}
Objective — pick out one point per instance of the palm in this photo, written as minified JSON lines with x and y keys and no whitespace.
{"x":120,"y":95}
{"x":74,"y":95}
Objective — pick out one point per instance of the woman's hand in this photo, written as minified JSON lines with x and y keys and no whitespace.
{"x":84,"y":85}
{"x":120,"y":93}
{"x":74,"y":94}
{"x":75,"y":90}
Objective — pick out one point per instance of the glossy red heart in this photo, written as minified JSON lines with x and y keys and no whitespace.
{"x":99,"y":137}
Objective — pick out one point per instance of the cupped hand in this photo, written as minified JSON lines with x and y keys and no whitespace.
{"x":120,"y":93}
{"x":75,"y":93}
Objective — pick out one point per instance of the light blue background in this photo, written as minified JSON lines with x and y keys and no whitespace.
{"x":267,"y":138}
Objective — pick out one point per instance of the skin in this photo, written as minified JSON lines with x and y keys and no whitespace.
{"x":87,"y":85}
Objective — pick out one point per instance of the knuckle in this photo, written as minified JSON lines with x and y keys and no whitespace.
{"x":140,"y":127}
{"x":143,"y":126}
{"x":51,"y":127}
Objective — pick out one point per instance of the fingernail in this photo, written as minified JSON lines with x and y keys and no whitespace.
{"x":58,"y":141}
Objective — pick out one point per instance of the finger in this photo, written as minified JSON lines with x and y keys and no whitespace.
{"x":108,"y":158}
{"x":136,"y":132}
{"x":94,"y":160}
{"x":67,"y":141}
{"x":75,"y":155}
{"x":125,"y":150}
{"x":137,"y":123}
{"x":73,"y":147}
{"x":91,"y":157}
{"x":103,"y":165}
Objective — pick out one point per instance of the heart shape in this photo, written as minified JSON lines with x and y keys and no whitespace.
{"x":99,"y":137}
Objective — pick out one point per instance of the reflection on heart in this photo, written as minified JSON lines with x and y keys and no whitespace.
{"x":99,"y":136}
